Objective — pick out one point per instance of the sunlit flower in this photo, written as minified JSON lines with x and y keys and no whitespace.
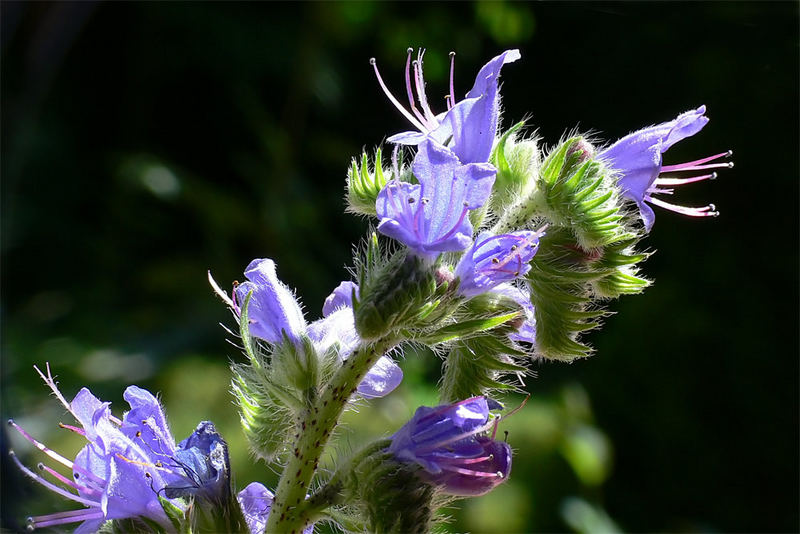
{"x":452,"y":446}
{"x":494,"y":259}
{"x":431,"y":217}
{"x":638,"y":159}
{"x":469,"y":126}
{"x":119,"y":472}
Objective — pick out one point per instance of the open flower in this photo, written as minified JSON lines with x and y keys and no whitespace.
{"x":469,"y":126}
{"x":337,"y":328}
{"x":119,"y":472}
{"x":451,"y":445}
{"x":638,"y":159}
{"x":494,"y":259}
{"x":431,"y":217}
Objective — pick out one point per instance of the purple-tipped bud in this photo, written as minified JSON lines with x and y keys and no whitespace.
{"x":451,"y":445}
{"x":273,"y":311}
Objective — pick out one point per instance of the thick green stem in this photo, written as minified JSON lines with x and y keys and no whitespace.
{"x":289,"y":512}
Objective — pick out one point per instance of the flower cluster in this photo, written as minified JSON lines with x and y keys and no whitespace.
{"x":490,"y":253}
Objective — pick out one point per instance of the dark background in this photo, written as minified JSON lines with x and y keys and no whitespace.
{"x":144,"y":143}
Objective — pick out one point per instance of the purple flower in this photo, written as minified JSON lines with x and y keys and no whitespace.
{"x":450,"y":444}
{"x":273,"y":310}
{"x":494,"y":259}
{"x":256,"y":502}
{"x":526,"y":331}
{"x":118,"y":473}
{"x":431,"y":217}
{"x":337,"y":328}
{"x":469,"y":126}
{"x":638,"y":158}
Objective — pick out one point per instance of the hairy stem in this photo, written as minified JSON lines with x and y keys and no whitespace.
{"x":290,"y":512}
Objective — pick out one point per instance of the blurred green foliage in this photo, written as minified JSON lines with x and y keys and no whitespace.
{"x":144,"y":143}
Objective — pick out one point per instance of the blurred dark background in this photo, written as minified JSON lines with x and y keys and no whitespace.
{"x":145,"y":143}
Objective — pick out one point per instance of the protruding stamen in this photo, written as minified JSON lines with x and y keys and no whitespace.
{"x":705,"y":211}
{"x":698,"y":164}
{"x":409,"y":91}
{"x":393,"y":100}
{"x":49,"y":485}
{"x":60,"y":518}
{"x":71,"y":428}
{"x":42,"y":447}
{"x":682,"y":181}
{"x":419,"y":80}
{"x":64,"y":480}
{"x":452,"y":100}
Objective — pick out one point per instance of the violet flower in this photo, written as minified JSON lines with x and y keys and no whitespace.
{"x":256,"y":502}
{"x":431,"y":217}
{"x":273,"y":310}
{"x":638,"y":158}
{"x":494,"y":259}
{"x":469,"y":126}
{"x":337,"y":328}
{"x":526,"y":325}
{"x":450,"y":444}
{"x":121,"y":469}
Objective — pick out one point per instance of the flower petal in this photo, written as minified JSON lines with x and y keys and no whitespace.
{"x":381,"y":379}
{"x":273,"y":309}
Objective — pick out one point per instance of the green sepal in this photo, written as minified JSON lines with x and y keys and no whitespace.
{"x":265,"y":417}
{"x":517,"y":164}
{"x":463,"y":329}
{"x":176,"y":515}
{"x":580,"y":193}
{"x":363,"y":184}
{"x":392,"y":497}
{"x":478,"y":366}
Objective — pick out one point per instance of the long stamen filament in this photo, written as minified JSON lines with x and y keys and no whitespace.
{"x":729,"y":153}
{"x":49,"y":485}
{"x":705,"y":211}
{"x":64,"y":480}
{"x":394,"y":101}
{"x":73,"y":516}
{"x":683,"y":181}
{"x":409,"y":91}
{"x":452,"y":100}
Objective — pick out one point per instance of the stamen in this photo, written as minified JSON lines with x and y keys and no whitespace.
{"x":683,"y":181}
{"x":409,"y":91}
{"x":705,"y":211}
{"x":470,"y":472}
{"x":49,"y":485}
{"x":451,"y":102}
{"x":71,"y":428}
{"x":49,"y":452}
{"x":727,"y":154}
{"x":64,"y":480}
{"x":393,"y":100}
{"x":60,"y":518}
{"x":419,"y":81}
